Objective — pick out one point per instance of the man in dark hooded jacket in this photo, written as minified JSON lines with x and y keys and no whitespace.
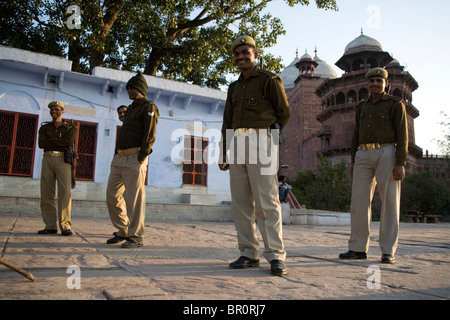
{"x":129,"y":166}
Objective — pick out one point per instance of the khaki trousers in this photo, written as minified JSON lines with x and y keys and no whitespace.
{"x":255,"y":200}
{"x":125,"y":196}
{"x":374,"y":168}
{"x":54,"y":169}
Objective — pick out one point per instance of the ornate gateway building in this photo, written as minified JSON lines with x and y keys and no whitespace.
{"x":323,"y":105}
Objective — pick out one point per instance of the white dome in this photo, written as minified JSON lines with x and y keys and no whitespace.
{"x":394,"y":62}
{"x":290,"y":74}
{"x":363,"y":41}
{"x":306,"y":56}
{"x":324,"y":70}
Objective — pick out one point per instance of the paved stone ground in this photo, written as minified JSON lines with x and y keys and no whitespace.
{"x":189,"y":261}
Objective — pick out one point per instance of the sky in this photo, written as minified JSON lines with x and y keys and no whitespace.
{"x":415,"y":32}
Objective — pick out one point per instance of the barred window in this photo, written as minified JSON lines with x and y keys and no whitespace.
{"x":17,"y":143}
{"x":18,"y":140}
{"x":194,"y":161}
{"x":85,"y":147}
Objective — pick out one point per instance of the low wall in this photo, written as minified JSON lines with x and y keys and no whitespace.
{"x":154,"y":211}
{"x":319,"y":217}
{"x":22,"y":195}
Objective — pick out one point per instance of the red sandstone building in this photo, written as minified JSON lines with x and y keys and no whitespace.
{"x":323,"y":106}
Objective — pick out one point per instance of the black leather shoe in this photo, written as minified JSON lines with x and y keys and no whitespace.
{"x":116,"y":239}
{"x":244,"y":262}
{"x":47,"y":231}
{"x":387,"y":258}
{"x":353,"y":255}
{"x":278,"y":268}
{"x":130,"y":243}
{"x":67,"y":232}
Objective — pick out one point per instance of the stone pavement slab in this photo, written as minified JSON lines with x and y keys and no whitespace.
{"x":189,"y":261}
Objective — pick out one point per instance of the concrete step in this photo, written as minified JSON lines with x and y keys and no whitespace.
{"x":319,"y":217}
{"x":154,"y":211}
{"x":201,"y":199}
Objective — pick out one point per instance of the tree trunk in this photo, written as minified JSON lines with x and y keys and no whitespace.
{"x":153,"y":62}
{"x":96,"y":60}
{"x":74,"y":54}
{"x":114,"y":7}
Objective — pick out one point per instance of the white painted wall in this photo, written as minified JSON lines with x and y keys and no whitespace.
{"x":184,"y":109}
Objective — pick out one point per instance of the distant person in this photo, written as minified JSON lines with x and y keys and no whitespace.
{"x":121,"y":112}
{"x":129,"y":166}
{"x":284,"y":188}
{"x":56,"y":137}
{"x":379,"y":150}
{"x":255,"y":102}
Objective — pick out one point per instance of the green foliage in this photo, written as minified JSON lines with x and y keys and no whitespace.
{"x":187,"y":40}
{"x":326,"y":189}
{"x":301,"y":185}
{"x":422,"y":192}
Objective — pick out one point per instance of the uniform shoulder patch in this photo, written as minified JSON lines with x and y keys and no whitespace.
{"x":268,"y":74}
{"x":361,"y":104}
{"x":232,"y":84}
{"x":155,"y":109}
{"x":231,"y":88}
{"x":68,"y":125}
{"x":152,"y":109}
{"x":391,"y":97}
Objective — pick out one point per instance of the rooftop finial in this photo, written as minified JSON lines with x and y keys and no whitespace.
{"x":362,"y":31}
{"x":296,"y":53}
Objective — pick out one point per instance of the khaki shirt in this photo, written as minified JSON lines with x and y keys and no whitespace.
{"x":52,"y":138}
{"x":382,"y":122}
{"x":256,"y":102}
{"x":139,"y":127}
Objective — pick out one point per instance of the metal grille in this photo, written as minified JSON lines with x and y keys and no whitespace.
{"x":85,"y":147}
{"x":194,"y":161}
{"x":17,"y":141}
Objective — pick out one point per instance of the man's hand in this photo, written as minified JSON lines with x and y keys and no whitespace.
{"x":398,"y":173}
{"x":224,"y":166}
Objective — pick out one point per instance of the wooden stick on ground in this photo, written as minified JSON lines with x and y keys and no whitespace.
{"x":108,"y":295}
{"x":17,"y":269}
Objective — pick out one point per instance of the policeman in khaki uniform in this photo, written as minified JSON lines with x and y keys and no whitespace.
{"x":255,"y":102}
{"x":379,"y":150}
{"x":129,"y":166}
{"x":56,"y":137}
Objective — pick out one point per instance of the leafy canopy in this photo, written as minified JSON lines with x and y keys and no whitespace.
{"x":186,"y":40}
